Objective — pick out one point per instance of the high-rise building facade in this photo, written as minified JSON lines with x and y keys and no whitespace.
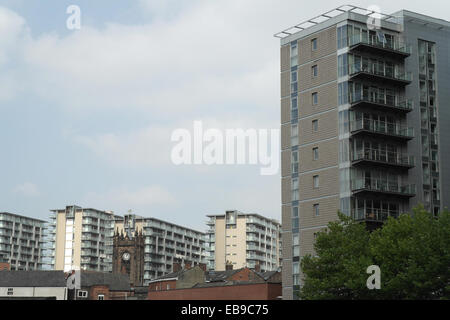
{"x":243,"y":240}
{"x":80,"y":239}
{"x":365,"y":123}
{"x":165,"y":243}
{"x":21,"y":241}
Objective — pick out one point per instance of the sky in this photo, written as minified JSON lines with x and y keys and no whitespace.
{"x":86,"y":116}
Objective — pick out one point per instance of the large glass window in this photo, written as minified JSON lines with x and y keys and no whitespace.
{"x":294,"y":54}
{"x":343,"y":92}
{"x":294,"y":134}
{"x":341,"y":37}
{"x":342,"y":65}
{"x":294,"y":189}
{"x":294,"y":160}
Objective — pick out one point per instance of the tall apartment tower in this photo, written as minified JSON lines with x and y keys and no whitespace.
{"x":243,"y":240}
{"x":80,"y":239}
{"x":365,"y":123}
{"x":165,"y":243}
{"x":21,"y":241}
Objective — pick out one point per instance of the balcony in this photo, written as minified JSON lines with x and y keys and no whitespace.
{"x":382,"y":103}
{"x":393,"y":48}
{"x":383,"y":158}
{"x":382,"y":186}
{"x":381,"y":128}
{"x":375,"y":215}
{"x":386,"y":75}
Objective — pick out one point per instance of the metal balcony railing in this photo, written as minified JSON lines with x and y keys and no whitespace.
{"x":389,"y":44}
{"x":382,"y":127}
{"x":384,"y":71}
{"x":382,"y":185}
{"x":387,"y":157}
{"x":383,"y":101}
{"x":374,"y":214}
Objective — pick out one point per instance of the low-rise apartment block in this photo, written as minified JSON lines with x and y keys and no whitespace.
{"x":243,"y":240}
{"x":21,"y":241}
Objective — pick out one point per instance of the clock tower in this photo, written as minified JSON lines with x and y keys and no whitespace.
{"x":128,"y":256}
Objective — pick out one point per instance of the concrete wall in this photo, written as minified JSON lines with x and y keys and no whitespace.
{"x":58,"y":292}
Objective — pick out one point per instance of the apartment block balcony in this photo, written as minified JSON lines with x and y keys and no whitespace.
{"x":382,"y":103}
{"x":376,"y":215}
{"x":386,"y":75}
{"x":382,"y":186}
{"x":392,"y":48}
{"x":252,"y":247}
{"x":381,"y":128}
{"x":382,"y":158}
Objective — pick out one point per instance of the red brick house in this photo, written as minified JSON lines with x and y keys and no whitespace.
{"x":197,"y":284}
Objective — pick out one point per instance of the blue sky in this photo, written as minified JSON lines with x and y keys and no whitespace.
{"x":86,"y":115}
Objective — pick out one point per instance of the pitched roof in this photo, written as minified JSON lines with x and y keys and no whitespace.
{"x":215,"y":276}
{"x":115,"y":281}
{"x":32,"y":279}
{"x":267,"y":275}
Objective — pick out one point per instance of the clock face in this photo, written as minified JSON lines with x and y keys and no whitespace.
{"x":126,"y":256}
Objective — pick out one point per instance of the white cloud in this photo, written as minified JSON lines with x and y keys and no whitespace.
{"x":148,"y":146}
{"x":27,"y":189}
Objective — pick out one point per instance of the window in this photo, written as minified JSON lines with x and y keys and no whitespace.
{"x":295,"y":220}
{"x":294,"y":135}
{"x":294,"y":76}
{"x":315,"y":125}
{"x":294,"y":87}
{"x":294,"y":108}
{"x":316,"y":209}
{"x":294,"y":160}
{"x":294,"y":189}
{"x":316,"y":181}
{"x":168,"y":287}
{"x":315,"y":153}
{"x":314,"y":70}
{"x":10,"y":291}
{"x":82,"y":294}
{"x":314,"y":44}
{"x":315,"y":98}
{"x":294,"y":54}
{"x":101,"y":297}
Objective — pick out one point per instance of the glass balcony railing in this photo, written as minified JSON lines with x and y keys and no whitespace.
{"x":382,"y":127}
{"x":382,"y":185}
{"x":392,"y":158}
{"x":374,"y":214}
{"x":383,"y":100}
{"x":379,"y":70}
{"x":389,"y":44}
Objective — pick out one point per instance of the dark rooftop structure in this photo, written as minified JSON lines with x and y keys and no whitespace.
{"x":115,"y":281}
{"x":32,"y":279}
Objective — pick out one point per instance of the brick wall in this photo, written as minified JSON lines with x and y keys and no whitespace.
{"x":257,"y":291}
{"x":95,"y":291}
{"x":5,"y":266}
{"x":162,"y":285}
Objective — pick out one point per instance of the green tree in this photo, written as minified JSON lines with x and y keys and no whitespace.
{"x":412,"y":252}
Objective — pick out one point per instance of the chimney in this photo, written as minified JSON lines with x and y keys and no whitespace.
{"x":229,"y":266}
{"x":176,"y":267}
{"x":257,"y":267}
{"x":202,"y":266}
{"x":187,"y":265}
